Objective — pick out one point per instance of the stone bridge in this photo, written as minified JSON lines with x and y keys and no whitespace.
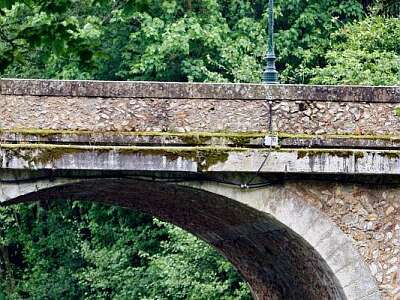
{"x":315,"y":216}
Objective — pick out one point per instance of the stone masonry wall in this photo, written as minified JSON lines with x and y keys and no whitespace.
{"x":179,"y":115}
{"x":368,"y":214}
{"x":105,"y":106}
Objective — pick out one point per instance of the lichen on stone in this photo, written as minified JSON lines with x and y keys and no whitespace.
{"x":43,"y":154}
{"x":397,"y":111}
{"x":390,"y":154}
{"x":301,"y":153}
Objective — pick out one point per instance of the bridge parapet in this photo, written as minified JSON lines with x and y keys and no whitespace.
{"x":199,"y":127}
{"x":192,"y":107}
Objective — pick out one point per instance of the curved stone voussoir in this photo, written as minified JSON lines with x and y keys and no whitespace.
{"x":336,"y":249}
{"x":276,"y":262}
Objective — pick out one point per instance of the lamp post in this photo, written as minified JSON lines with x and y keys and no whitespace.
{"x":270,"y":75}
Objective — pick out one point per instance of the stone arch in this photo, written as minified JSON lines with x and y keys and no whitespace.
{"x":335,"y":247}
{"x":258,"y":231}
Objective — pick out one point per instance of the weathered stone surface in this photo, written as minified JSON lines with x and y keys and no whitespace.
{"x":231,"y":139}
{"x":175,"y":90}
{"x":282,"y":237}
{"x":276,"y":261}
{"x":201,"y":159}
{"x":371,"y":216}
{"x":312,"y":209}
{"x":177,"y":115}
{"x":178,"y":107}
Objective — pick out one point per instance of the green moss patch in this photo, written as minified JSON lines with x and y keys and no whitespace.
{"x":390,"y":154}
{"x":338,"y":153}
{"x":340,"y":136}
{"x":397,"y":111}
{"x":236,"y":139}
{"x":43,"y":154}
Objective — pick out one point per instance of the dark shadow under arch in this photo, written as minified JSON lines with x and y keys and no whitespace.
{"x":275,"y":261}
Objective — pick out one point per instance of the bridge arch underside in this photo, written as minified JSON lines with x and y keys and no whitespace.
{"x":276,"y":262}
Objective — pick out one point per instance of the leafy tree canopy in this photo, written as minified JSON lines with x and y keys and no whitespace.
{"x":170,"y":40}
{"x":74,"y":250}
{"x":366,"y":52}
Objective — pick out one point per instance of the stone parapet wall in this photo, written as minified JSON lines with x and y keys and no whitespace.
{"x":336,"y":118}
{"x":179,"y":115}
{"x":185,"y":107}
{"x":130,"y":114}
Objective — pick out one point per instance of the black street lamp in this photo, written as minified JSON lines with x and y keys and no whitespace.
{"x":270,"y":75}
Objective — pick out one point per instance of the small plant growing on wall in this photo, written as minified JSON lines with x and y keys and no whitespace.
{"x":397,"y":111}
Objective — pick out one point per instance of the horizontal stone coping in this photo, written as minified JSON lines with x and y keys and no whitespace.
{"x":238,"y":139}
{"x":222,"y":91}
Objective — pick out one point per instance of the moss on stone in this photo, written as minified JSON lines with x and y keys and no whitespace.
{"x":238,"y":139}
{"x":194,"y":139}
{"x":397,"y":111}
{"x":210,"y":157}
{"x":338,"y":153}
{"x":40,"y":154}
{"x":358,"y":154}
{"x":385,"y":137}
{"x":206,"y":157}
{"x":170,"y":153}
{"x":46,"y":133}
{"x":43,"y":154}
{"x":51,"y":155}
{"x":390,"y":154}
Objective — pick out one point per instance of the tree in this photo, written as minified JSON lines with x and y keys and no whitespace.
{"x":366,"y":52}
{"x":174,"y":40}
{"x":388,"y":8}
{"x":74,"y":250}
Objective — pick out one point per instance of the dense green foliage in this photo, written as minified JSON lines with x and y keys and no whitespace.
{"x":367,"y":52}
{"x":80,"y":250}
{"x":185,"y":40}
{"x":388,"y":8}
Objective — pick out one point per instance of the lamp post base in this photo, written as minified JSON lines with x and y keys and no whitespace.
{"x":270,"y":76}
